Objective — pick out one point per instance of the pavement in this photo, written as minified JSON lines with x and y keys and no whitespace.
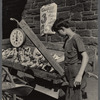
{"x":92,"y":84}
{"x":92,"y":89}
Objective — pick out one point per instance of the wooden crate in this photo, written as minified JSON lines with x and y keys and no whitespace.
{"x":42,"y":78}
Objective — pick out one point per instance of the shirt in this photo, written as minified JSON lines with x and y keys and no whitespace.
{"x":73,"y":49}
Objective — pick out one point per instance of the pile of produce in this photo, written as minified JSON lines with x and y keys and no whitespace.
{"x":28,"y":57}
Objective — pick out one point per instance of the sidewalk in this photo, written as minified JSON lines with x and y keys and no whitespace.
{"x":92,"y":89}
{"x":92,"y":85}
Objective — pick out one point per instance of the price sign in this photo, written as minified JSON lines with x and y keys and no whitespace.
{"x":48,"y":14}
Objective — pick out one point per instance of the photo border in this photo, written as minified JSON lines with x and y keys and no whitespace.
{"x":0,"y":46}
{"x":98,"y":46}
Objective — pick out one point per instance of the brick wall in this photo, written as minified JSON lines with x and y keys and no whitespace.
{"x":82,"y":15}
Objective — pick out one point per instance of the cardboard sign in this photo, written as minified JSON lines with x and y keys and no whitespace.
{"x":48,"y":14}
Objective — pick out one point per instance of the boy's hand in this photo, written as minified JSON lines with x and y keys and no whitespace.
{"x":77,"y":80}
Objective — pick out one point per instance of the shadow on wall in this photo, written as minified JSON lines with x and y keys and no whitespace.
{"x":11,"y":8}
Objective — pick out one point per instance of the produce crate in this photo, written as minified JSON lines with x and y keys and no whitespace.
{"x":49,"y":83}
{"x":44,"y":82}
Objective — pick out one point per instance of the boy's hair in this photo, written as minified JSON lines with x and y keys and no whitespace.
{"x":59,"y":23}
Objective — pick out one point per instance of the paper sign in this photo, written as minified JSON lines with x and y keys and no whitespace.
{"x":48,"y":15}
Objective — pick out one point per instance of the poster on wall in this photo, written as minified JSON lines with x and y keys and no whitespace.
{"x":48,"y":15}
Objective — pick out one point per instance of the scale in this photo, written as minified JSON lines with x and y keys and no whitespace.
{"x":17,"y":37}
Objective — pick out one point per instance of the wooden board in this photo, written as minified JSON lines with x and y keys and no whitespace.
{"x":10,"y":63}
{"x":50,"y":92}
{"x":34,"y":39}
{"x":55,"y":78}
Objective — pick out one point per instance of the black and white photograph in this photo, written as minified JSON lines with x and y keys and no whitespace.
{"x":49,"y":50}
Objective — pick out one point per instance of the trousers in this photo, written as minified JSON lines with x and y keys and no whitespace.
{"x":74,"y":93}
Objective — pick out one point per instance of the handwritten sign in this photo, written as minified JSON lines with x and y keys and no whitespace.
{"x":48,"y":15}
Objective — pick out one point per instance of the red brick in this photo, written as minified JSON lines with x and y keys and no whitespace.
{"x":85,"y":13}
{"x":87,"y":6}
{"x":33,"y":11}
{"x":36,"y":22}
{"x":81,"y":25}
{"x":72,"y":24}
{"x":29,"y":19}
{"x":95,"y":32}
{"x":60,"y":9}
{"x":76,"y":16}
{"x":34,"y":26}
{"x":84,"y":33}
{"x":96,"y":12}
{"x":34,"y":5}
{"x":59,"y":2}
{"x":92,"y":25}
{"x":36,"y":31}
{"x":95,"y":5}
{"x":91,"y":17}
{"x":81,"y":1}
{"x":64,"y":14}
{"x":48,"y":0}
{"x":37,"y":17}
{"x":95,"y":1}
{"x":31,"y":25}
{"x":40,"y":0}
{"x":77,"y":8}
{"x":70,"y":2}
{"x":40,"y":4}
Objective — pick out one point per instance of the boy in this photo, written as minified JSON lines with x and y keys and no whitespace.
{"x":75,"y":60}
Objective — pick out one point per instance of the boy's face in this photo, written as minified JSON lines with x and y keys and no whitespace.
{"x":62,"y":32}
